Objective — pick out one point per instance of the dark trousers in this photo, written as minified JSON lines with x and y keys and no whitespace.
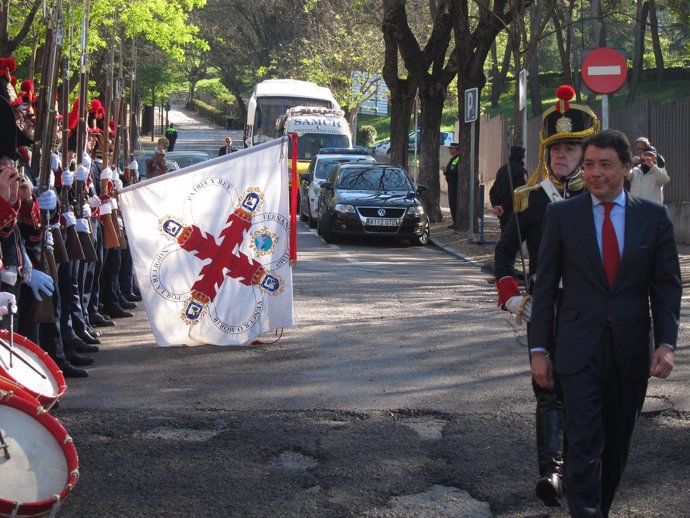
{"x":452,"y":195}
{"x":126,"y":279}
{"x":92,"y":272}
{"x":110,"y":284}
{"x":601,"y":410}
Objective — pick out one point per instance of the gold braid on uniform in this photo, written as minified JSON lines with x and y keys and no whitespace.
{"x":572,"y":183}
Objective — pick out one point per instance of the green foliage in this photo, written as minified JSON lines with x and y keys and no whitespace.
{"x":209,"y":112}
{"x":366,"y":135}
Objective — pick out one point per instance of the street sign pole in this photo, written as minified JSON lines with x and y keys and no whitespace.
{"x":522,"y":77}
{"x":471,"y":112}
{"x":605,"y":111}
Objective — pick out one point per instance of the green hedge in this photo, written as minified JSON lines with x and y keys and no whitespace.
{"x":209,"y":112}
{"x":366,"y":135}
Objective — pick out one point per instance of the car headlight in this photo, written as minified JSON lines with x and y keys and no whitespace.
{"x":415,"y":210}
{"x":341,"y":207}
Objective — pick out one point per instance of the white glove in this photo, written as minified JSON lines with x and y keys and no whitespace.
{"x":94,"y":202}
{"x":114,"y":204}
{"x":86,"y":208}
{"x":117,"y":183}
{"x":83,"y":226}
{"x":54,"y":162}
{"x":8,"y":303}
{"x":50,"y":244}
{"x":521,"y":306}
{"x":47,"y":200}
{"x":107,"y":174}
{"x":69,"y":219}
{"x":81,"y":174}
{"x":67,"y":178}
{"x":86,"y":160}
{"x":106,"y":209}
{"x":41,"y":283}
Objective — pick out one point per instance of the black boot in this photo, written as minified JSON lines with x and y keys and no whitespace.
{"x":549,"y":422}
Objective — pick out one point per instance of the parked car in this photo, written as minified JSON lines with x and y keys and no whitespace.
{"x":445,"y":139}
{"x":320,"y":168}
{"x":371,"y":199}
{"x":172,"y":165}
{"x":187,"y":158}
{"x":381,"y":148}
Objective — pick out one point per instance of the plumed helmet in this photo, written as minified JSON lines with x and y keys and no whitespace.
{"x":563,"y":122}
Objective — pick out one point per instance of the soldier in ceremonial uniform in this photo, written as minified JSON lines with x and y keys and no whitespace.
{"x":559,"y":176}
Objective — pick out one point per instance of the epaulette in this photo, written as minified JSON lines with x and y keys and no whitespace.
{"x":521,"y":196}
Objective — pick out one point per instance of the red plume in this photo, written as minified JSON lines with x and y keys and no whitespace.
{"x":73,"y":116}
{"x":564,"y":93}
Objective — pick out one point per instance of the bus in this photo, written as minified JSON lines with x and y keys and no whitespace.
{"x":273,"y":97}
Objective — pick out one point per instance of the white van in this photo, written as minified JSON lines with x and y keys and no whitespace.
{"x":316,"y":128}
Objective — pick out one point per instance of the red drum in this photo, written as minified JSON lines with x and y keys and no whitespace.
{"x":26,"y":363}
{"x":38,"y":462}
{"x":9,"y":388}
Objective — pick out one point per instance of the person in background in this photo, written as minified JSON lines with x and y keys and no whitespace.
{"x":451,"y":174}
{"x":171,"y":135}
{"x":648,"y":177}
{"x":133,"y":167}
{"x":227,"y":148}
{"x":501,"y":192}
{"x":612,"y":278}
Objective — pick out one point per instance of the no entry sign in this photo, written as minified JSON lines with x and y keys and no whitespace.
{"x":604,"y":70}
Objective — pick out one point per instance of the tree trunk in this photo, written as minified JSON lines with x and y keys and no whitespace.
{"x":654,"y":30}
{"x":499,"y":80}
{"x":432,"y":99}
{"x":638,"y":51}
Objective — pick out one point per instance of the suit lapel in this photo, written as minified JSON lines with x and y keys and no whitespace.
{"x":634,"y":230}
{"x":584,"y":229}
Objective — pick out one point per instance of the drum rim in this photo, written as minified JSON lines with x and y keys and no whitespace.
{"x":45,"y":399}
{"x":61,"y":435}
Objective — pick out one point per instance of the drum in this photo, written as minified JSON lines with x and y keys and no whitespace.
{"x":30,"y":366}
{"x":9,"y":388}
{"x":38,"y":462}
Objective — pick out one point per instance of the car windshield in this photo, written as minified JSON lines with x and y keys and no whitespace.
{"x":326,"y":165}
{"x":380,"y":179}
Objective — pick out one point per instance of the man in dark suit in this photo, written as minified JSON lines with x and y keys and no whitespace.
{"x":227,"y":148}
{"x":616,"y":258}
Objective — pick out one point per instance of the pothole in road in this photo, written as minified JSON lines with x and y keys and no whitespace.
{"x":439,"y":501}
{"x":179,"y":434}
{"x":293,"y":461}
{"x":426,"y":428}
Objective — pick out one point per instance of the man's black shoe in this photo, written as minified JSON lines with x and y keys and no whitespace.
{"x":87,"y":337}
{"x":98,"y":320}
{"x":117,"y":312}
{"x":549,"y":490}
{"x":70,"y":371}
{"x":133,"y":297}
{"x":94,"y":333}
{"x":79,"y":360}
{"x":77,"y":344}
{"x":125,"y":304}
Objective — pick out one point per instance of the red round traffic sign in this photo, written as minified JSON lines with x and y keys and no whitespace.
{"x":604,"y":70}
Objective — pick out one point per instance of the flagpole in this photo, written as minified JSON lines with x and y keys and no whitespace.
{"x":293,"y":201}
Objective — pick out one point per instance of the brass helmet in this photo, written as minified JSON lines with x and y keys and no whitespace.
{"x":565,"y":121}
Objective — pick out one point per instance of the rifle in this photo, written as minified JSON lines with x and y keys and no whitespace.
{"x":110,"y":234}
{"x":44,"y":310}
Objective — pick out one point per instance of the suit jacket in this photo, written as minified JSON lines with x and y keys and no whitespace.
{"x":648,"y":278}
{"x":222,"y":150}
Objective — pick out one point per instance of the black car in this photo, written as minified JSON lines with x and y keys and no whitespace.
{"x":371,"y":199}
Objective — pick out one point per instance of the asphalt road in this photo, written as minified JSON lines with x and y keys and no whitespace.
{"x":401,"y":391}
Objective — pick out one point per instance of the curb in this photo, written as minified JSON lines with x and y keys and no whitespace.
{"x":454,"y":252}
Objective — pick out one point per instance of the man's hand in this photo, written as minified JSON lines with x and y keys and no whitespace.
{"x":662,"y":362}
{"x":542,"y":369}
{"x":498,"y":211}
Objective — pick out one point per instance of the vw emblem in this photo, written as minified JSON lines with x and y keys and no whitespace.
{"x":381,"y":212}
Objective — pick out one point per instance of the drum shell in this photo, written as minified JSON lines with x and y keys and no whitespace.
{"x":47,"y":505}
{"x":46,"y":399}
{"x":9,"y":388}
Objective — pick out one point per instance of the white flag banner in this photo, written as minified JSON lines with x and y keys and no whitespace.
{"x":210,"y":246}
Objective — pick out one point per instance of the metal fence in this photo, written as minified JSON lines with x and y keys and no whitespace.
{"x":667,"y":126}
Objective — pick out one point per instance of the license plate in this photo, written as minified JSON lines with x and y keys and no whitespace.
{"x":380,"y":222}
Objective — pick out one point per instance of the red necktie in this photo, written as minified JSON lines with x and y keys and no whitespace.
{"x":609,"y":244}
